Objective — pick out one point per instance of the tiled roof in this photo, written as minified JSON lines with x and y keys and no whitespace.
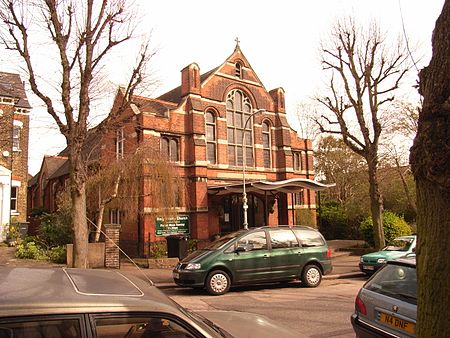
{"x":12,"y":86}
{"x":61,"y":171}
{"x":53,"y":163}
{"x":175,"y":94}
{"x":156,"y":106}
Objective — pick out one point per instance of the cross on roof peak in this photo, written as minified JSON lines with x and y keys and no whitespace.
{"x":237,"y":42}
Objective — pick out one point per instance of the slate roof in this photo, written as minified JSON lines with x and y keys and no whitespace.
{"x":55,"y":167}
{"x":157,"y":106}
{"x":12,"y":86}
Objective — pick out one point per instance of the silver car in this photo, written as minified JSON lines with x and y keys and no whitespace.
{"x":70,"y":303}
{"x":387,"y":304}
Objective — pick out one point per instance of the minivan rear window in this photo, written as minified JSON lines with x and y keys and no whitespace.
{"x":309,"y":238}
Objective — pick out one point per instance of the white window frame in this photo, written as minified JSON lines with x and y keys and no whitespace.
{"x":17,"y":130}
{"x":115,"y":216}
{"x":14,"y":199}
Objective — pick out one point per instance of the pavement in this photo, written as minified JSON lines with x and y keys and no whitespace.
{"x":345,"y":265}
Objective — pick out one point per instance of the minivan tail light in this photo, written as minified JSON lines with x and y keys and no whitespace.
{"x":360,"y":306}
{"x":329,"y":253}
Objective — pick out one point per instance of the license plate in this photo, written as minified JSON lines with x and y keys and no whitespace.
{"x":398,"y":323}
{"x":368,"y":267}
{"x":176,"y":275}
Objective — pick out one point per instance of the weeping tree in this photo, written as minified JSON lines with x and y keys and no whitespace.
{"x":78,"y":40}
{"x":365,"y":71}
{"x":124,"y":185}
{"x":430,"y":162}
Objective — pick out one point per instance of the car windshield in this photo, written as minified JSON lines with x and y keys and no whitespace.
{"x":396,"y":281}
{"x":398,"y":244}
{"x":217,"y":244}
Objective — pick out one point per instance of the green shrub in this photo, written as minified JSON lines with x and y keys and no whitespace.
{"x":333,"y":222}
{"x":305,"y":217}
{"x":58,"y":254}
{"x":158,"y":249}
{"x":31,"y":250}
{"x":394,"y":226}
{"x":55,"y":229}
{"x":13,"y":235}
{"x":192,"y":245}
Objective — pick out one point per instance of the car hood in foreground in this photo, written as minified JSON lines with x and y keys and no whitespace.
{"x":245,"y":324}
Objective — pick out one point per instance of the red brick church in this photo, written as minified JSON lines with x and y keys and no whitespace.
{"x":200,"y":127}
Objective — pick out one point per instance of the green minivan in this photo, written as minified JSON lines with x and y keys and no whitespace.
{"x":257,"y":255}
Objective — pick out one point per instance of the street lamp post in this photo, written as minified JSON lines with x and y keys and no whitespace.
{"x":244,"y":193}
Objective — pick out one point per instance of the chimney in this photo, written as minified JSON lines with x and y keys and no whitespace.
{"x":190,"y":80}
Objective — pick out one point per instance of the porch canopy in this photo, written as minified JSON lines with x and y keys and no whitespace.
{"x":292,"y":185}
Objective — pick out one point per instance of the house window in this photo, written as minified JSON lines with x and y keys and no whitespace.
{"x":238,"y":70}
{"x":170,"y":148}
{"x":266,"y":144}
{"x":238,"y":117}
{"x":297,"y":161}
{"x":17,"y":129}
{"x":119,"y":143}
{"x":210,"y":137}
{"x":299,"y":198}
{"x":14,"y":195}
{"x":115,"y":216}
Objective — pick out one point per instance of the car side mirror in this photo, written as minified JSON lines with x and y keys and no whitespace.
{"x":239,"y":249}
{"x":414,"y":249}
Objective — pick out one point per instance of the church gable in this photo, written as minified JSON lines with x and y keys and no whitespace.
{"x":236,"y":73}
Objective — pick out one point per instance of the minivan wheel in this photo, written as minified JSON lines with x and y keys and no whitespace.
{"x":218,"y":283}
{"x":311,"y":276}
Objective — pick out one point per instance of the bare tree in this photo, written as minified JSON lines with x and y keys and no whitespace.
{"x":340,"y":165}
{"x":365,"y":72}
{"x":82,"y":35}
{"x":430,"y":161}
{"x":401,"y":127}
{"x":305,"y":114}
{"x":121,"y":184}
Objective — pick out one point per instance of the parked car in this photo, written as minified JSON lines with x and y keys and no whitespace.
{"x":400,"y":247}
{"x":258,"y":255}
{"x":386,"y":306}
{"x":53,"y":303}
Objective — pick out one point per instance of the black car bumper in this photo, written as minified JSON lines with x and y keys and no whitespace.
{"x":364,"y":267}
{"x":189,"y":278}
{"x":365,"y":330}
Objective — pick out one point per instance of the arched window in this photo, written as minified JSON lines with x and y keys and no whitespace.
{"x":169,"y":148}
{"x":210,"y":137}
{"x":266,"y":145}
{"x":238,"y":114}
{"x":238,"y":70}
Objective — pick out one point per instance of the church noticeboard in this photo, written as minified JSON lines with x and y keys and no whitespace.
{"x":172,"y":226}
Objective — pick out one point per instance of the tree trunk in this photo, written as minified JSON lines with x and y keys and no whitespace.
{"x":430,"y":163}
{"x":376,"y":205}
{"x":433,"y":234}
{"x":98,"y":230}
{"x":78,"y":195}
{"x":411,"y":201}
{"x":80,"y":245}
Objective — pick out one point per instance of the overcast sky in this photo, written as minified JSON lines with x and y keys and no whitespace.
{"x":279,"y":38}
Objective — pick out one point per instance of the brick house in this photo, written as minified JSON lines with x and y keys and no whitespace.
{"x":14,"y":131}
{"x":200,"y":127}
